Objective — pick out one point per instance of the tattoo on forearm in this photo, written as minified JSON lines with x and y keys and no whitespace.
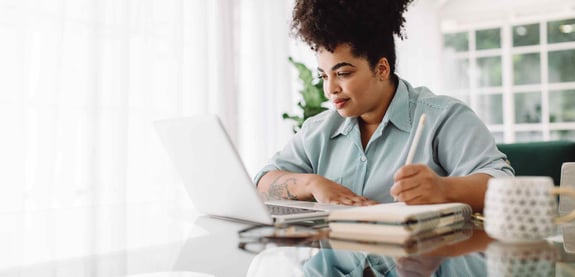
{"x":279,"y":189}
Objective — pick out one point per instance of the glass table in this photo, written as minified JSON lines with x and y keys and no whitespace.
{"x":465,"y":252}
{"x":159,"y":239}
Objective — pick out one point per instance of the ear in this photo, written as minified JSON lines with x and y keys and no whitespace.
{"x":382,"y":69}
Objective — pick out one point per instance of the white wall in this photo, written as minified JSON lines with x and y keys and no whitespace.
{"x":419,"y":55}
{"x":465,"y":12}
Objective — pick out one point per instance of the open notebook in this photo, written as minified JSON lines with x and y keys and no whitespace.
{"x":394,"y":222}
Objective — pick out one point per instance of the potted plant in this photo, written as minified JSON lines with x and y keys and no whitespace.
{"x":312,"y":96}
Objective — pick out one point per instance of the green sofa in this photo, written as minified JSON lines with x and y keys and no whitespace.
{"x":539,"y":158}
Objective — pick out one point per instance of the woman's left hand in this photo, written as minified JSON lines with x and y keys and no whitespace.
{"x":418,"y":184}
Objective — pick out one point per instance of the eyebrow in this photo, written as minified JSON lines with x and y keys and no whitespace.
{"x":337,"y":66}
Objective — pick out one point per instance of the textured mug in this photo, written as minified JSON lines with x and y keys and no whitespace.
{"x":520,"y":209}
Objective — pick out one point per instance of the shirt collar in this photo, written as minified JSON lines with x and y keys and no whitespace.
{"x":345,"y":127}
{"x":399,"y":110}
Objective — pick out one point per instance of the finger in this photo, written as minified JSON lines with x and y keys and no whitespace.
{"x":370,"y":202}
{"x":359,"y":198}
{"x":401,"y":186}
{"x":363,"y":201}
{"x":415,"y":200}
{"x":359,"y":201}
{"x":356,"y":200}
{"x":407,"y":171}
{"x":409,"y":195}
{"x":351,"y":199}
{"x":396,"y":189}
{"x":366,"y":203}
{"x":346,"y":201}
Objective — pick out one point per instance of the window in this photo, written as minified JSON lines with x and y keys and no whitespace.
{"x":519,"y":77}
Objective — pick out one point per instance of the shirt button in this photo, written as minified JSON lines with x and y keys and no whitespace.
{"x":363,"y":158}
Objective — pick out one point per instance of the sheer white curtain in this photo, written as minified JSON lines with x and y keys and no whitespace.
{"x":82,"y":81}
{"x":265,"y":79}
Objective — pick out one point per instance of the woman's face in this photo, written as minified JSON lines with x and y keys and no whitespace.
{"x":351,"y":85}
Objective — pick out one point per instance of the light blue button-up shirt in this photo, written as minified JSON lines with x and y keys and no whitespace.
{"x":454,"y":142}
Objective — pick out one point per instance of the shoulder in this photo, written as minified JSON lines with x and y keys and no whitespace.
{"x":425,"y":101}
{"x":442,"y":111}
{"x":324,"y":124}
{"x":425,"y":97}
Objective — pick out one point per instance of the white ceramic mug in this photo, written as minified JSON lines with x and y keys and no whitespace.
{"x":520,"y":209}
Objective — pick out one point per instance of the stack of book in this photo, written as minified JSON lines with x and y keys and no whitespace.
{"x":412,"y":227}
{"x":415,"y":245}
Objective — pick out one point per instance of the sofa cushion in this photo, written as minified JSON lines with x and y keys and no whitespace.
{"x":542,"y":158}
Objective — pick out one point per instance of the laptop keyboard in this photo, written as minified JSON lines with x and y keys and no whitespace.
{"x":283,"y":210}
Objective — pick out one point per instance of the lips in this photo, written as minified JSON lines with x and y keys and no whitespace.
{"x":340,"y":102}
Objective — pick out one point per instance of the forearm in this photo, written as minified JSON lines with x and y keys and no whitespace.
{"x":467,"y":189}
{"x":286,"y":185}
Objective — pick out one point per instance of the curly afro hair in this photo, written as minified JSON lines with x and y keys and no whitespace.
{"x":368,"y":26}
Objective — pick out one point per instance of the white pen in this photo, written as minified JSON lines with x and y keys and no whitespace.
{"x":414,"y":143}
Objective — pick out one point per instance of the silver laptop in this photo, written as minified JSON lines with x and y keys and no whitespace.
{"x":216,"y":179}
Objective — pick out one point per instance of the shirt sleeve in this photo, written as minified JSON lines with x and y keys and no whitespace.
{"x":292,"y":157}
{"x":464,"y":145}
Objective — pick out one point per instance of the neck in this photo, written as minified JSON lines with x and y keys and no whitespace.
{"x":375,"y":117}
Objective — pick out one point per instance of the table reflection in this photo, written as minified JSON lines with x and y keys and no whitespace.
{"x":332,"y":262}
{"x":526,"y":259}
{"x":455,"y":254}
{"x":568,"y":232}
{"x":436,"y":261}
{"x":475,"y":255}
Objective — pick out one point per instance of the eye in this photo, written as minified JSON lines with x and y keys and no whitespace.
{"x":322,"y":76}
{"x":342,"y":73}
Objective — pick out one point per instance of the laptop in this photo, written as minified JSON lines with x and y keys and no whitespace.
{"x":216,"y":179}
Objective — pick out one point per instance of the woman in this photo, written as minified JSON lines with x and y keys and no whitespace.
{"x":356,"y":154}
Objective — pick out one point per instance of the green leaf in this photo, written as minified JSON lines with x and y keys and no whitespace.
{"x":312,"y":95}
{"x":305,"y":74}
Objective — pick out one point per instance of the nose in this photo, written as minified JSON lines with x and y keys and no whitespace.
{"x":331,"y":86}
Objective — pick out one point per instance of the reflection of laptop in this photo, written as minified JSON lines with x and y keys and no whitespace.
{"x":215,"y":178}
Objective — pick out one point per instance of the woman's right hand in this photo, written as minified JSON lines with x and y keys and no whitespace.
{"x":304,"y":186}
{"x":327,"y":191}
